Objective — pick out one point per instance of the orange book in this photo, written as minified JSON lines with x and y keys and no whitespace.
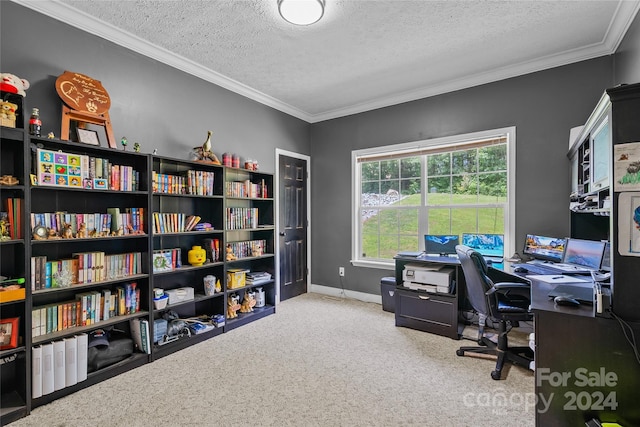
{"x":65,"y":313}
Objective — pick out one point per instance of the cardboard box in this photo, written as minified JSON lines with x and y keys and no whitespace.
{"x":179,"y":295}
{"x":236,"y":278}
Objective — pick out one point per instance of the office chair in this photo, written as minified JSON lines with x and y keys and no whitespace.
{"x":504,"y":303}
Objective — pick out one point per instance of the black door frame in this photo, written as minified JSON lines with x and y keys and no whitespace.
{"x":281,"y":152}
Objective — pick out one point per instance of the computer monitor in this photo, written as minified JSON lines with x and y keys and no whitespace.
{"x":441,"y":244}
{"x":486,"y":244}
{"x":544,"y":248}
{"x":606,"y":258}
{"x":586,"y":253}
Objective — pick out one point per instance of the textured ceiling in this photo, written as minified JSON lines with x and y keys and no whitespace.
{"x":363,"y":54}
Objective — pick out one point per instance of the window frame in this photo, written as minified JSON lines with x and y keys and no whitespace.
{"x":446,"y":143}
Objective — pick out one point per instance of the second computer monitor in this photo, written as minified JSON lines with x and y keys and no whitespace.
{"x":441,"y":244}
{"x":544,"y":248}
{"x":587,"y":253}
{"x":486,"y":244}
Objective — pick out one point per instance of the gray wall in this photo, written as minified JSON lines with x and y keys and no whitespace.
{"x":151,"y":103}
{"x":543,"y":106}
{"x":627,"y":57}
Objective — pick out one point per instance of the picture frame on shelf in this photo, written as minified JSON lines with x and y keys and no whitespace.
{"x":9,"y":329}
{"x":87,"y":136}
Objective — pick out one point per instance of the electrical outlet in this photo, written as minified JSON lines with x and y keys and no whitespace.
{"x":341,"y":271}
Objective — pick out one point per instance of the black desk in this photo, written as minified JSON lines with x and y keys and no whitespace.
{"x":585,"y":367}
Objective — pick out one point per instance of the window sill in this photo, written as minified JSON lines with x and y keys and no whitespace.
{"x":383,"y":265}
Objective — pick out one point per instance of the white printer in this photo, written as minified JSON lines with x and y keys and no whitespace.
{"x":428,"y":277}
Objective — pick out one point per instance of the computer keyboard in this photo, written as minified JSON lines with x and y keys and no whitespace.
{"x":535,"y":269}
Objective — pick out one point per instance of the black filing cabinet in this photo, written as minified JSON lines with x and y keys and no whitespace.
{"x":437,"y":313}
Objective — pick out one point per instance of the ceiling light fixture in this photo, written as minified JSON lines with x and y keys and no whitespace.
{"x":301,"y":12}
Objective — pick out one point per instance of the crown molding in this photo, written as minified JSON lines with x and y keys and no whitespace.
{"x":85,"y":22}
{"x":622,"y":19}
{"x":620,"y":23}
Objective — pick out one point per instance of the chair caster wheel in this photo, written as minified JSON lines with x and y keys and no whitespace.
{"x":459,"y":352}
{"x":495,"y":375}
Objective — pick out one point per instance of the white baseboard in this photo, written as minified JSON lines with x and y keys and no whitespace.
{"x":339,"y":293}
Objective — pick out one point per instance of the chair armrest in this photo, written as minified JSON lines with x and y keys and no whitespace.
{"x":508,"y":286}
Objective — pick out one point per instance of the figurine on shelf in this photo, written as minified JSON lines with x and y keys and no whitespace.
{"x":230,"y":256}
{"x":136,"y":147}
{"x":124,"y":143}
{"x":8,"y":180}
{"x":232,"y":306}
{"x":118,"y":232}
{"x":82,"y":231}
{"x":67,"y":232}
{"x":52,"y":234}
{"x":204,"y":153}
{"x":51,"y":135}
{"x":132,"y":231}
{"x":4,"y":227}
{"x":247,"y":303}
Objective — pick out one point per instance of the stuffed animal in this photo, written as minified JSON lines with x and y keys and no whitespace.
{"x":8,"y":110}
{"x":13,"y":84}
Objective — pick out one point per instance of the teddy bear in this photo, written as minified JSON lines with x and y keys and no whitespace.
{"x":8,"y":110}
{"x":13,"y":84}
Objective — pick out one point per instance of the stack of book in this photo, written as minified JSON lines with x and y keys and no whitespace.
{"x":257,"y":277}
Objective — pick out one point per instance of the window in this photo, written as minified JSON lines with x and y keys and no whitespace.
{"x":452,"y":185}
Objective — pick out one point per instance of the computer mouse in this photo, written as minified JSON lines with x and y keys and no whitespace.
{"x":568,"y":301}
{"x":520,"y":270}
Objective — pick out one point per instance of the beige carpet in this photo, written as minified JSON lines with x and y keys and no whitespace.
{"x":319,"y":361}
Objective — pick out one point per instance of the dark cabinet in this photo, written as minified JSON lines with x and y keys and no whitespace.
{"x":14,"y":357}
{"x":434,"y":312}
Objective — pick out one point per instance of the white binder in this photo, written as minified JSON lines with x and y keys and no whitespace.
{"x":47,"y":368}
{"x":59,"y":379}
{"x":36,"y":372}
{"x":82,"y":346}
{"x":70,"y":361}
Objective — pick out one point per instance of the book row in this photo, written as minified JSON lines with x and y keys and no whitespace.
{"x":60,"y":169}
{"x":246,"y":189}
{"x":195,"y":182}
{"x":79,"y":225}
{"x":87,"y":309}
{"x":11,"y":219}
{"x":84,"y":267}
{"x":241,"y":218}
{"x":248,"y":248}
{"x":167,"y":222}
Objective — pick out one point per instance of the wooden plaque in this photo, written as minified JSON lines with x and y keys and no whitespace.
{"x":82,"y":93}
